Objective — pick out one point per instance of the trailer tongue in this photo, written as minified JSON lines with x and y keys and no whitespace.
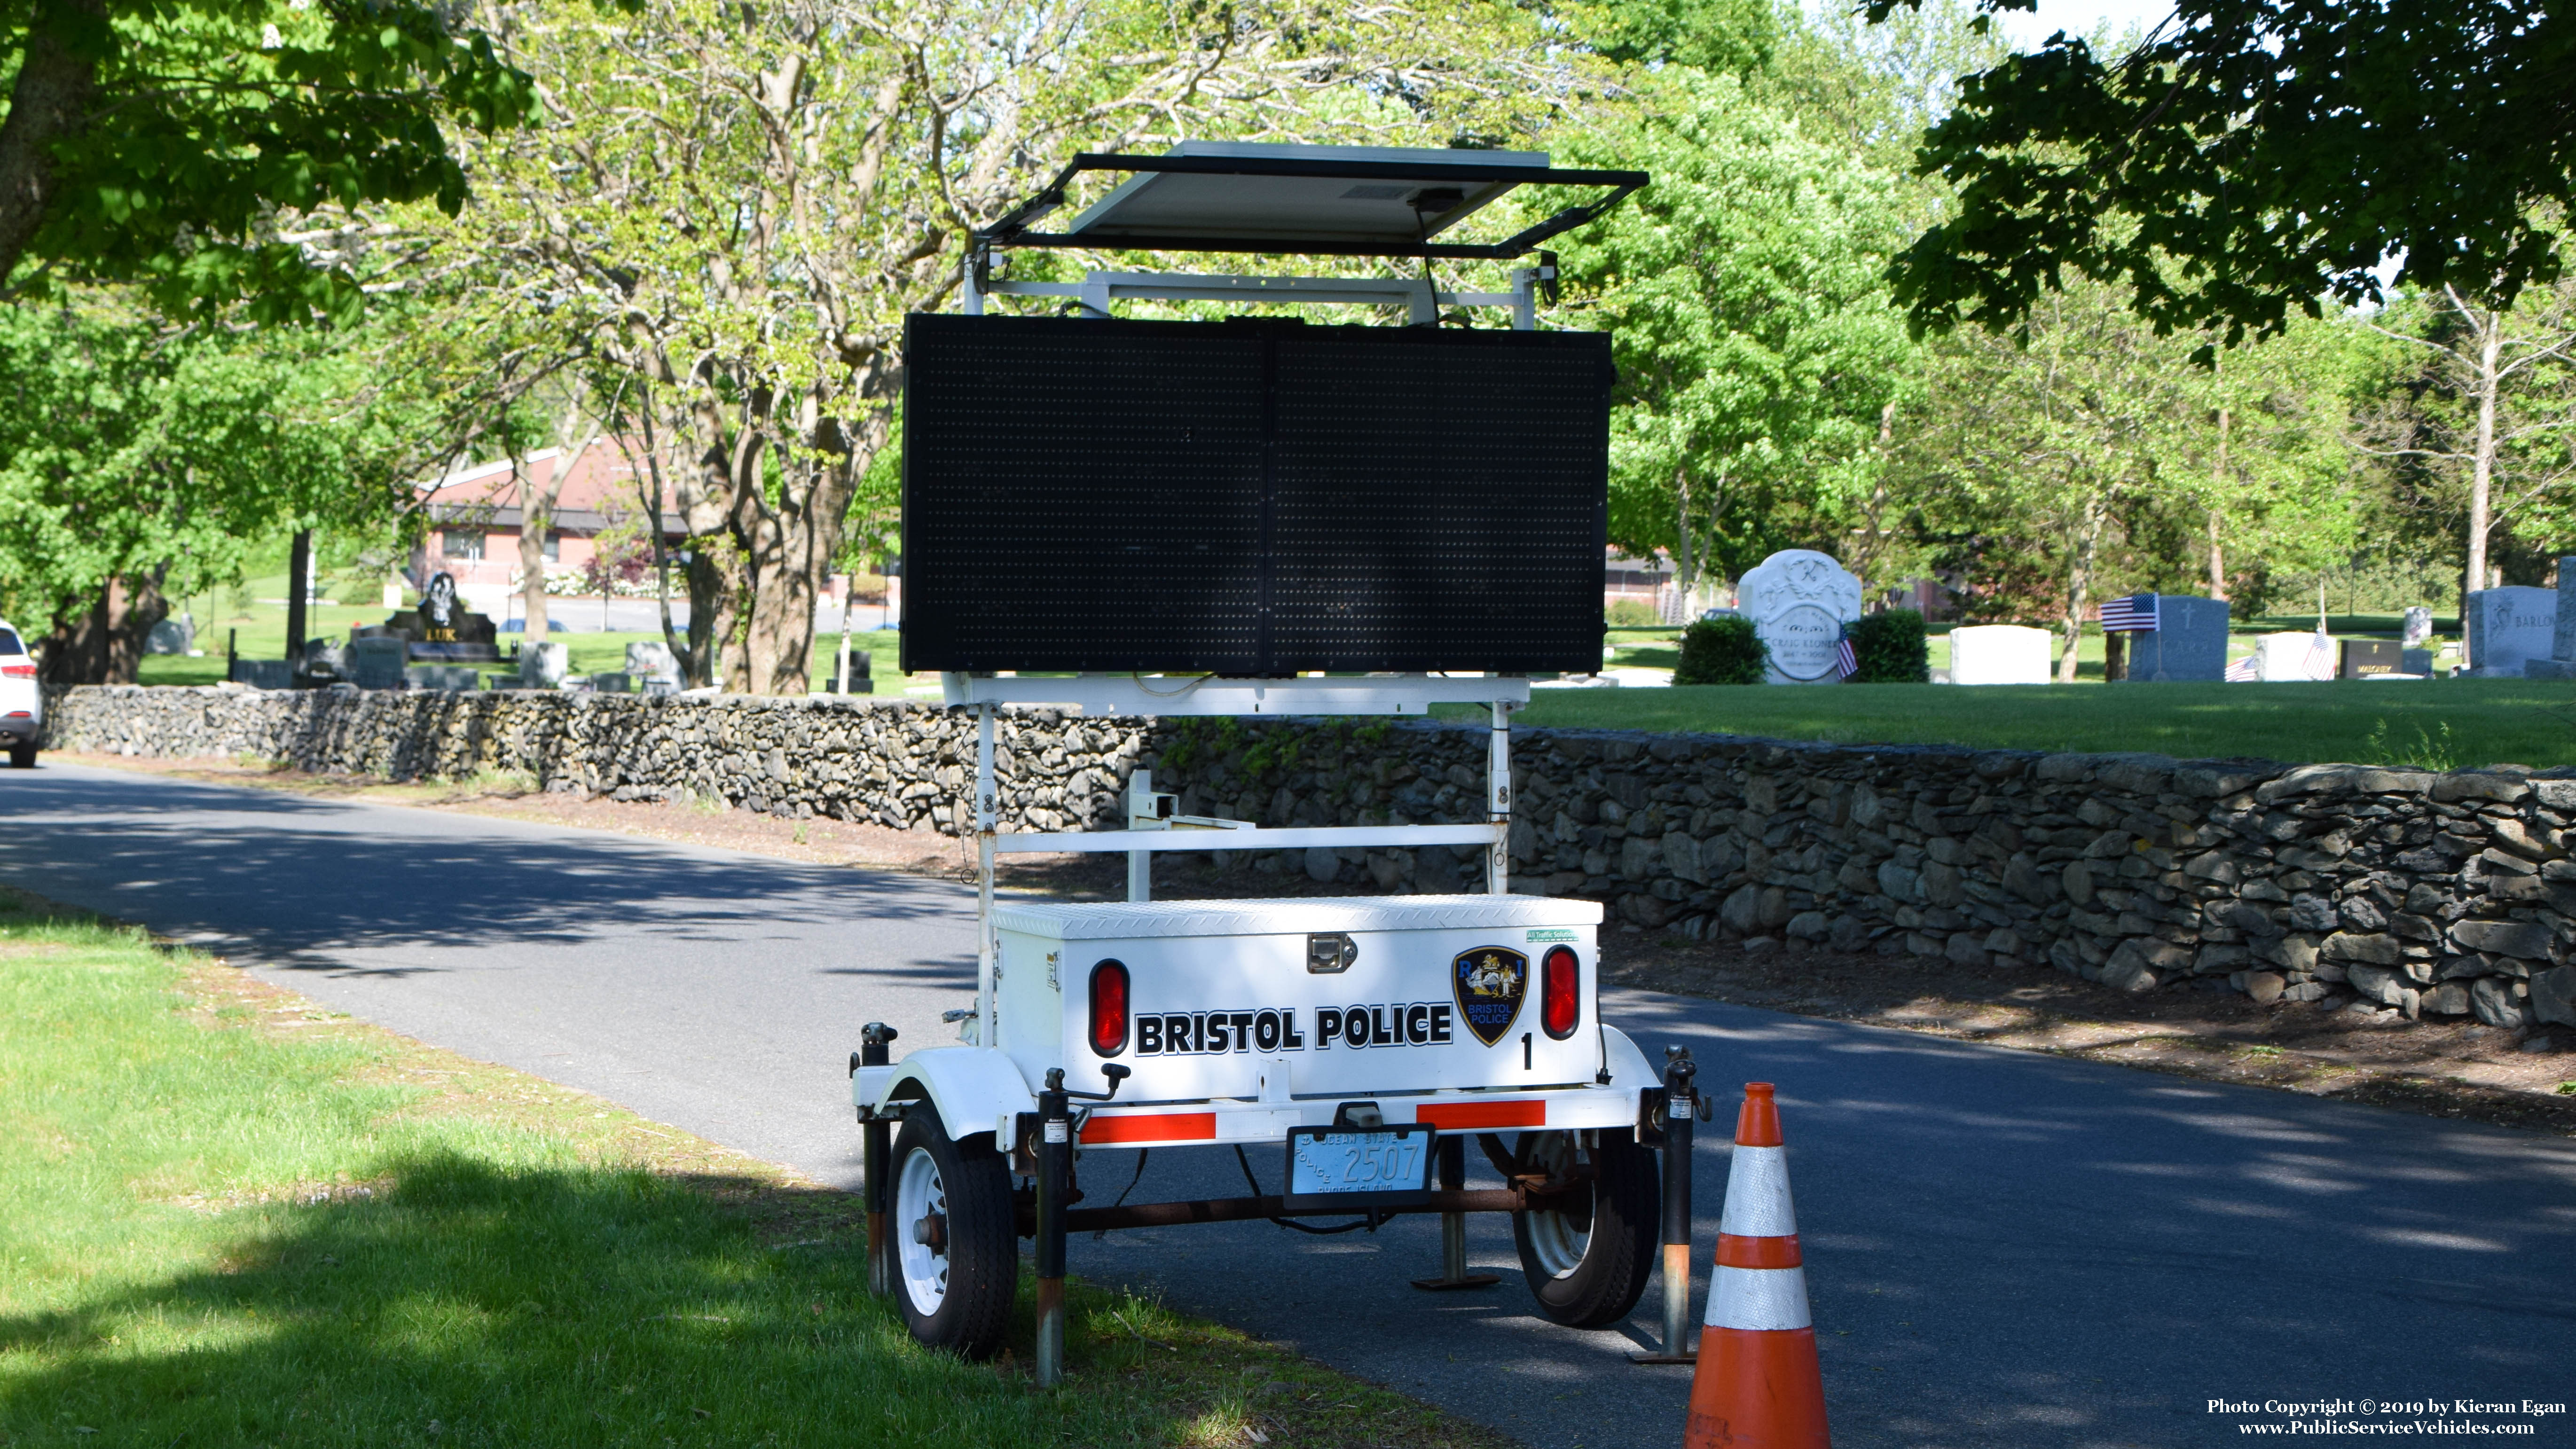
{"x":1213,"y":518}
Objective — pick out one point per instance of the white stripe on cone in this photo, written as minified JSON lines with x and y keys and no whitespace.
{"x":1762,"y":1299}
{"x":1757,"y":1195}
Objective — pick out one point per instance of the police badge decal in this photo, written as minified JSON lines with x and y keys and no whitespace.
{"x":1489,"y":982}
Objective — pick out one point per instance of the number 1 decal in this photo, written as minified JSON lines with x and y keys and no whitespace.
{"x":1525,"y":1051}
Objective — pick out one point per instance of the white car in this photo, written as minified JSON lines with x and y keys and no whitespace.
{"x":22,"y":700}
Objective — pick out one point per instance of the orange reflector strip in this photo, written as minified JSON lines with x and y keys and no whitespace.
{"x":1758,"y":1123}
{"x":1475,"y":1116}
{"x":1157,"y":1127}
{"x":1735,"y":1252}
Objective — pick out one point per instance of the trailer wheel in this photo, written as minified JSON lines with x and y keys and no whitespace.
{"x":956,"y":1248}
{"x":1588,"y":1266}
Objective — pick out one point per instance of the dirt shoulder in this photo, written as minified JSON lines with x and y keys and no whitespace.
{"x":2465,"y":1071}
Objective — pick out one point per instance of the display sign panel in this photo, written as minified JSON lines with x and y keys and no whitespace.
{"x":1252,"y":497}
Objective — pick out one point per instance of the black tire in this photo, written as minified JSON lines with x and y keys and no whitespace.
{"x":1587,"y":1267}
{"x":22,"y":757}
{"x":958,"y":1300}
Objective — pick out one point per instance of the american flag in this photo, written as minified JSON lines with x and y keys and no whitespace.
{"x":1846,"y":663}
{"x":2135,"y":614}
{"x":2245,"y":670}
{"x":2321,"y":661}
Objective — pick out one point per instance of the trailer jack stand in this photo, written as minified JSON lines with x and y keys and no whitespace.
{"x":1452,"y":1159}
{"x":1681,"y":1101}
{"x":873,"y":1135}
{"x":1055,"y":1172}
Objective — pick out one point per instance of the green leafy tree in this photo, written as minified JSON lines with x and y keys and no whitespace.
{"x":2483,"y":398}
{"x":736,"y":209}
{"x":1757,"y":352}
{"x":211,"y":149}
{"x":140,"y":463}
{"x":2251,"y":157}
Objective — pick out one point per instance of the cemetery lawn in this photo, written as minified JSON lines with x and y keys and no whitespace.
{"x":228,"y":1217}
{"x":2428,"y":724}
{"x":264,"y":637}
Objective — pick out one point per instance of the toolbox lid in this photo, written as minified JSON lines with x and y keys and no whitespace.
{"x":1124,"y":920}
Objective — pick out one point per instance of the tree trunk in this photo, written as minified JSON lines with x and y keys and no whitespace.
{"x":299,"y":591}
{"x":1685,"y":563}
{"x":2217,"y":551}
{"x":135,"y":607}
{"x":50,"y":102}
{"x":536,"y":513}
{"x":103,"y":642}
{"x":2482,"y":465}
{"x":2079,"y":586}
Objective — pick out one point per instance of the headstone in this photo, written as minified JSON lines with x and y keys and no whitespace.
{"x":2291,"y":658}
{"x":2000,"y":654}
{"x":646,"y":656}
{"x":174,"y":635}
{"x":1799,"y":601}
{"x":2363,"y":658}
{"x":2561,"y":663}
{"x":544,"y":664}
{"x":2509,"y":627}
{"x":443,"y":676}
{"x":612,"y":682}
{"x":2415,"y":661}
{"x":2419,"y":627}
{"x":443,"y":629}
{"x":2189,"y":642}
{"x":374,"y":663}
{"x":264,"y":673}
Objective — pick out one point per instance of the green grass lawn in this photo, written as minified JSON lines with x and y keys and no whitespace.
{"x":230,"y":1219}
{"x":263,"y":636}
{"x":2435,"y":723}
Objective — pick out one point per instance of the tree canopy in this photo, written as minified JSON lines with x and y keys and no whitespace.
{"x":2249,"y":158}
{"x":187,"y":145}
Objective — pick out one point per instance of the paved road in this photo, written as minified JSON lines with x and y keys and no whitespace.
{"x":2004,"y":1249}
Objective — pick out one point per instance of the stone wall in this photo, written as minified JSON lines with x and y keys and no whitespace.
{"x":2403,"y":892}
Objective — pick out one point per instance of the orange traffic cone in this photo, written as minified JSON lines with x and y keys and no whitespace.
{"x":1757,"y":1386}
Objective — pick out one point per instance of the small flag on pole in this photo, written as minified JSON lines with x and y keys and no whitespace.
{"x":2321,"y":654}
{"x":2246,"y":670}
{"x":1846,"y":663}
{"x":2135,"y":614}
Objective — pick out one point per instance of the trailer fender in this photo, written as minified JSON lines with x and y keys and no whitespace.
{"x":1628,"y":1067}
{"x":977,"y":1092}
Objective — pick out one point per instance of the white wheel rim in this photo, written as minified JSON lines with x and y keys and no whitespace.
{"x":918,"y":1193}
{"x":1554,"y":1239}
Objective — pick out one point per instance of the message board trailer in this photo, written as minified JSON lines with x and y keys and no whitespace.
{"x":1235,"y":518}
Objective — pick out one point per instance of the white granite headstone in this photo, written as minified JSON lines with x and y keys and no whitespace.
{"x":2509,"y":627}
{"x":544,"y":664}
{"x":2419,"y":627}
{"x":174,"y":635}
{"x":2000,"y":654}
{"x":2292,"y":658}
{"x":1799,"y":600}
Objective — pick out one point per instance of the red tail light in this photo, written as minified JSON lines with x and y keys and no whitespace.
{"x":17,"y":671}
{"x":1560,"y":993}
{"x":1109,"y":1008}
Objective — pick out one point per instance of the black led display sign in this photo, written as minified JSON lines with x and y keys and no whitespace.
{"x":1252,"y":497}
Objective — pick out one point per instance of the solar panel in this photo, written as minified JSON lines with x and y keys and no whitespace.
{"x":1252,"y":497}
{"x":1358,"y":204}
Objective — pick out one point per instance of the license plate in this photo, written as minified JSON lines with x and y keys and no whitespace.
{"x":1331,"y":1167}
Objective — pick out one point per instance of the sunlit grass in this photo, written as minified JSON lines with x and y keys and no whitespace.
{"x":2470,"y":721}
{"x":229,"y":1218}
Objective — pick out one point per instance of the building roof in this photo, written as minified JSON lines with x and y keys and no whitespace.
{"x":598,"y":483}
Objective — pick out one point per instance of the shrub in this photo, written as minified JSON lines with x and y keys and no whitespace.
{"x":1889,"y":648}
{"x":1631,"y":614}
{"x":1723,"y":650}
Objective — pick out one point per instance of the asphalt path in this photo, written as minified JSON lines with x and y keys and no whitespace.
{"x":2003,"y":1249}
